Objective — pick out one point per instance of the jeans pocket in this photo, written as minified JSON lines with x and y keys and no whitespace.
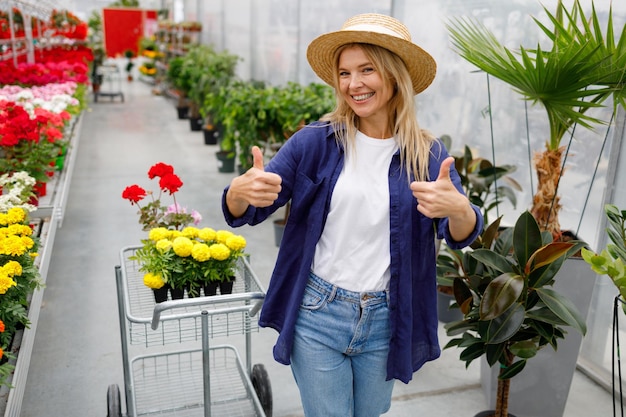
{"x":313,"y":299}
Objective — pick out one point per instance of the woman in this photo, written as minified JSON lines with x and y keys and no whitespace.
{"x":352,"y":294}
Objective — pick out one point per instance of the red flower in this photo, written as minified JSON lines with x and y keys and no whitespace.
{"x":170,"y":183}
{"x":134,"y":193}
{"x":160,"y":170}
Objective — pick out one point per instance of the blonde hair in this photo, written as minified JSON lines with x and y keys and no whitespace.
{"x":414,"y":143}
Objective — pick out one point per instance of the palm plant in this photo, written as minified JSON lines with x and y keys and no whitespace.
{"x":581,"y":70}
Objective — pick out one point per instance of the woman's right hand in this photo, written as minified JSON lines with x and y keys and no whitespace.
{"x":253,"y":188}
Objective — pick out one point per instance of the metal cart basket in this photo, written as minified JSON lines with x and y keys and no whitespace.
{"x":111,"y":85}
{"x":195,"y":379}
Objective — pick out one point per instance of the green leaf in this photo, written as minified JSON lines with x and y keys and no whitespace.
{"x":501,"y":293}
{"x":492,"y":259}
{"x":526,"y":238}
{"x":563,"y":308}
{"x":505,"y":326}
{"x":525,"y":349}
{"x":512,"y":370}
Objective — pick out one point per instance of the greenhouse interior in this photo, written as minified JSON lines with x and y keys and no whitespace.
{"x":100,"y":97}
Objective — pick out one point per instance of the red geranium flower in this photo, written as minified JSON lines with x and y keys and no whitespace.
{"x":152,"y":213}
{"x":160,"y":169}
{"x":134,"y":193}
{"x":170,"y":183}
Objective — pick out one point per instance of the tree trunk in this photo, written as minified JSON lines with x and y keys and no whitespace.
{"x":502,"y":394}
{"x":546,"y":204}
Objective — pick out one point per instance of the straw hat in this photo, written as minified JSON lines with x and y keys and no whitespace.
{"x":375,"y":29}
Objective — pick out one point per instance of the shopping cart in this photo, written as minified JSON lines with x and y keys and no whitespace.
{"x":196,"y":379}
{"x":111,"y":82}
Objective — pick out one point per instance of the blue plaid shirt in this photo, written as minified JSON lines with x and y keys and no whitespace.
{"x":309,"y":164}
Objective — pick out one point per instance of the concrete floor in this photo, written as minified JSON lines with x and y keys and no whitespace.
{"x":77,"y":352}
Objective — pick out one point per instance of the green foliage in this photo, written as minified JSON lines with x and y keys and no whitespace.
{"x":253,"y":113}
{"x":581,"y":70}
{"x":125,"y":3}
{"x":612,"y":260}
{"x":503,"y":287}
{"x":202,"y":71}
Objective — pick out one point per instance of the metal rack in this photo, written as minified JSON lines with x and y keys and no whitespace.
{"x":206,"y":380}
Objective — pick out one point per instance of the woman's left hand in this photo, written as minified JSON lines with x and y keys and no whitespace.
{"x":440,"y":198}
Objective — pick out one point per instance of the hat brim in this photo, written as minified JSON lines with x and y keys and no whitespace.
{"x":321,"y":51}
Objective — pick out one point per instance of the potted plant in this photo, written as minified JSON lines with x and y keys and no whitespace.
{"x":179,"y":84}
{"x":129,"y":54}
{"x":203,"y":71}
{"x":177,"y":256}
{"x":486,"y":186}
{"x":511,"y":311}
{"x":611,"y":261}
{"x":578,"y":73}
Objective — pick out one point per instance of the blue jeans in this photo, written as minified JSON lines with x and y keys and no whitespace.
{"x":339,"y":357}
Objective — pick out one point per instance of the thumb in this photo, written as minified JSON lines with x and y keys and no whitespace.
{"x":444,"y":169}
{"x":257,"y":157}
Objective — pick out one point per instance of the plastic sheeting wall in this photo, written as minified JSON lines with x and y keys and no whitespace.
{"x":272,"y":35}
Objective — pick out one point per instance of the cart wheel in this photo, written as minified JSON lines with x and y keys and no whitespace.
{"x":114,"y":405}
{"x":262,"y":387}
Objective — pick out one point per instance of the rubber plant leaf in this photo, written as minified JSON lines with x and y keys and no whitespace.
{"x":493,"y":260}
{"x":506,"y":325}
{"x":526,"y":238}
{"x":462,"y":295}
{"x":501,"y":293}
{"x":525,"y":349}
{"x":563,"y":308}
{"x":512,"y":370}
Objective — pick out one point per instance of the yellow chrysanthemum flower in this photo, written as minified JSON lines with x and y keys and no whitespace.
{"x":164,"y":245}
{"x":190,"y":232}
{"x":236,"y":242}
{"x":153,"y":281}
{"x":12,"y":268}
{"x":182,"y":246}
{"x":175,"y":233}
{"x":201,"y":252}
{"x":6,"y":283}
{"x":223,"y":235}
{"x":158,"y":233}
{"x":219,"y":251}
{"x":4,"y":219}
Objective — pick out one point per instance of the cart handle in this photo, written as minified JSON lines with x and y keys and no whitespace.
{"x":202,"y":301}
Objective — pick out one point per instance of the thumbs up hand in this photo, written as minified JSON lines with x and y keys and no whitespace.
{"x":257,"y":158}
{"x":440,"y":198}
{"x":255,"y":187}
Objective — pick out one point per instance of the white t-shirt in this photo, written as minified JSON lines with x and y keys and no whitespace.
{"x":353,"y":251}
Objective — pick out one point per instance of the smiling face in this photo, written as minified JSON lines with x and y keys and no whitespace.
{"x":363,"y":88}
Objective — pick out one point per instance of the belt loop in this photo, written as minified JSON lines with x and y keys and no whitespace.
{"x":387,"y":295}
{"x":333,"y":293}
